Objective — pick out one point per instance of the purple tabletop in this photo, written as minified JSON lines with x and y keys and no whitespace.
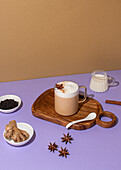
{"x":96,"y":148}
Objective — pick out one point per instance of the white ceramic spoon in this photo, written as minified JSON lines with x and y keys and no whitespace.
{"x":91,"y":116}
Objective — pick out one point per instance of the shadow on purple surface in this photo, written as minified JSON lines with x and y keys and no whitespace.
{"x":88,"y":95}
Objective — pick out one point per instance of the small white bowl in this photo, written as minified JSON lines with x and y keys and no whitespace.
{"x":23,"y":126}
{"x":16,"y":98}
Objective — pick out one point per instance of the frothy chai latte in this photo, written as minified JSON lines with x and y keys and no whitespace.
{"x":66,"y":98}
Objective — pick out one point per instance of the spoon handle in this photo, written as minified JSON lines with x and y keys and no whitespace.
{"x":76,"y":121}
{"x":113,"y":102}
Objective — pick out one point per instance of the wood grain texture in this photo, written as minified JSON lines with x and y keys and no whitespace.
{"x":43,"y":108}
{"x":106,"y":124}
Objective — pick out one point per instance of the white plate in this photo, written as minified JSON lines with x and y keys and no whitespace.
{"x":22,"y":126}
{"x":16,"y":98}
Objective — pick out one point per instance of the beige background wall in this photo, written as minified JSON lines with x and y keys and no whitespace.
{"x":41,"y":38}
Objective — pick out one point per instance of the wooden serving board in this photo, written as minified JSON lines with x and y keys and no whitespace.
{"x":43,"y":108}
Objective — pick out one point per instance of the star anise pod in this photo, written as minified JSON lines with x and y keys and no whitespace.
{"x":67,"y":138}
{"x":52,"y":147}
{"x":63,"y":152}
{"x":59,"y":86}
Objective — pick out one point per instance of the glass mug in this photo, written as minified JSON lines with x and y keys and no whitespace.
{"x":67,"y":97}
{"x":99,"y":81}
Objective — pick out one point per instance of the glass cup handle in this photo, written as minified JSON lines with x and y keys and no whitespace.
{"x":85,"y":93}
{"x":113,"y":81}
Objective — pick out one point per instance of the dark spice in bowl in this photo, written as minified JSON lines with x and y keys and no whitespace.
{"x":8,"y":104}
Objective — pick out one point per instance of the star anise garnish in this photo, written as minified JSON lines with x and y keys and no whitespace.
{"x":52,"y":147}
{"x":59,"y":86}
{"x":67,"y":138}
{"x":63,"y":152}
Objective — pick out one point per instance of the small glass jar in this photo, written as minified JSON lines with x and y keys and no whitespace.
{"x":99,"y":81}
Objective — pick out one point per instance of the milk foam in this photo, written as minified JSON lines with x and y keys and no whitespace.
{"x":100,"y":76}
{"x":70,"y":89}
